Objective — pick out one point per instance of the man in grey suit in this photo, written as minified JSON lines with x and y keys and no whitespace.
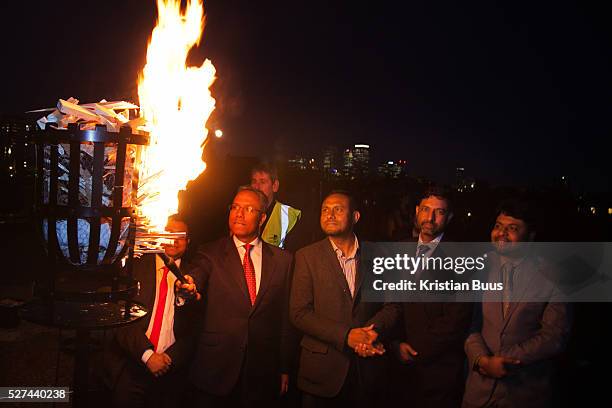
{"x":325,"y":304}
{"x":518,"y":331}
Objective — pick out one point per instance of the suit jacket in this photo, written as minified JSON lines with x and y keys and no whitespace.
{"x":235,"y":338}
{"x":437,"y":331}
{"x":321,"y":307}
{"x":130,"y":342}
{"x":533,"y":332}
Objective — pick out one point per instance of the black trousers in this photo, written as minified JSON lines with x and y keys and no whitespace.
{"x":354,"y":393}
{"x":237,"y":398}
{"x":138,"y":388}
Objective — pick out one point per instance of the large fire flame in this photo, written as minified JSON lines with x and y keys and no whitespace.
{"x":175,"y":102}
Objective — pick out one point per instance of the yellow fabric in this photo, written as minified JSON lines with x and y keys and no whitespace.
{"x":273,"y":233}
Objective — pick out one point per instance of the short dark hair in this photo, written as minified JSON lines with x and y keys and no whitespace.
{"x":347,"y":194}
{"x":177,"y":217}
{"x":520,"y":208}
{"x":263,"y":200}
{"x":441,"y":193}
{"x":266,"y":167}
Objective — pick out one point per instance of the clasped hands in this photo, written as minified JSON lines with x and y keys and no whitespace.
{"x":159,"y":364}
{"x":496,"y":366}
{"x":363,"y":341}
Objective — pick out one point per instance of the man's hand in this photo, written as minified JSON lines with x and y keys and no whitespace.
{"x":187,"y":290}
{"x":284,"y":384}
{"x":364,"y":350}
{"x":159,"y":364}
{"x":495,"y":366}
{"x":407,"y":353}
{"x":361,"y":335}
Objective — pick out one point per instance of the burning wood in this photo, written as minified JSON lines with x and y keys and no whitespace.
{"x":147,"y":243}
{"x":91,"y":114}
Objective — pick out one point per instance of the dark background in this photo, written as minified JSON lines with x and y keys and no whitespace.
{"x":515,"y":92}
{"x":518,"y":93}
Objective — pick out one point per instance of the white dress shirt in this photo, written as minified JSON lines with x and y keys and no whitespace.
{"x":256,"y":253}
{"x":166,"y":335}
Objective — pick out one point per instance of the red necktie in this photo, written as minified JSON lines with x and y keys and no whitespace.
{"x":159,"y":311}
{"x":249,"y":273}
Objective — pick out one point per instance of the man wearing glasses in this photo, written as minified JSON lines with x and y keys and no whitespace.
{"x":241,"y":285}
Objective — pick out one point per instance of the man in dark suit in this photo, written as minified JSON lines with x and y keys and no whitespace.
{"x":430,"y":351}
{"x":243,"y":350}
{"x":326,"y":306}
{"x":518,"y":332}
{"x":144,"y":365}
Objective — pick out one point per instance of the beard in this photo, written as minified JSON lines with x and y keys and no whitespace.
{"x":335,"y":229}
{"x":429,"y":228}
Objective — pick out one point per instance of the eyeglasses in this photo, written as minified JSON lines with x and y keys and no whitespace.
{"x":249,"y":209}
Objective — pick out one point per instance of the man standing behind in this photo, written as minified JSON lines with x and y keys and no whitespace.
{"x":326,"y":306}
{"x":280,"y":227}
{"x":243,"y":353}
{"x":145,"y":362}
{"x":513,"y":343}
{"x":431,"y":346}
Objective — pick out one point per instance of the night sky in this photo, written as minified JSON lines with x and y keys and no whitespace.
{"x":514,"y":92}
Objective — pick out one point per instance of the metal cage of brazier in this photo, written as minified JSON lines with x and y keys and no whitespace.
{"x":86,"y":197}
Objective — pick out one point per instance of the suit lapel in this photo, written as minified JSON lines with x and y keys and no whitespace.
{"x":235,"y":271}
{"x":493,"y":299}
{"x":358,"y":276}
{"x":267,"y":270}
{"x":334,"y":269}
{"x":526,"y":266}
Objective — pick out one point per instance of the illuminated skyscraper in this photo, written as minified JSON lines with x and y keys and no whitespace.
{"x":348,"y":162}
{"x":329,"y":162}
{"x":361,"y":160}
{"x":356,"y":161}
{"x":392,"y":169}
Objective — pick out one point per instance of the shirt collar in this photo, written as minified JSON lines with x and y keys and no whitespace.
{"x":338,"y":251}
{"x":254,"y":243}
{"x":433,"y":242}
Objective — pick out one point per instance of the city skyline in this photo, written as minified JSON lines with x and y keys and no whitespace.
{"x":333,"y":161}
{"x":442,"y":85}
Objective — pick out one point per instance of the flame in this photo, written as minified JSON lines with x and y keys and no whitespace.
{"x":175,"y":101}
